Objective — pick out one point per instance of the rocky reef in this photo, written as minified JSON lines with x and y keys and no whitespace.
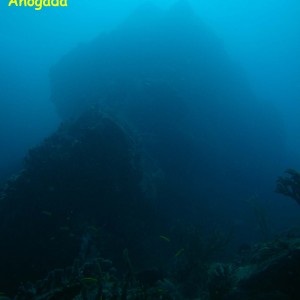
{"x":158,"y":125}
{"x":82,"y":185}
{"x":84,"y":195}
{"x":268,"y":270}
{"x":170,"y":79}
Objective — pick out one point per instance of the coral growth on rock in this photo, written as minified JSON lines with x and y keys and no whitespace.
{"x":80,"y":187}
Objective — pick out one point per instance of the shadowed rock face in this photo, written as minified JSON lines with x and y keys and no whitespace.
{"x":79,"y":195}
{"x":168,"y":76}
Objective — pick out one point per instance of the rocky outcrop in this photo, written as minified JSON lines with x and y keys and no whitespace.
{"x":170,"y":79}
{"x":80,"y":192}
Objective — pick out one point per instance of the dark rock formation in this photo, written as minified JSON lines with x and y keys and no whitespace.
{"x":80,"y":193}
{"x":272,"y":272}
{"x":169,"y":78}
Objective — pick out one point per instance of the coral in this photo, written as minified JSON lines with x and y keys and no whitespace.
{"x":192,"y":261}
{"x":272,"y":271}
{"x":93,"y":280}
{"x":221,"y":280}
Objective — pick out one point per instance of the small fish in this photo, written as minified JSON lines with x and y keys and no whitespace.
{"x":92,"y":228}
{"x":161,"y":290}
{"x":179,"y":252}
{"x":47,"y":213}
{"x":164,"y":238}
{"x":89,"y":280}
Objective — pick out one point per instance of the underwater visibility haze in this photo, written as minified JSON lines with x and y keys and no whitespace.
{"x":150,"y":150}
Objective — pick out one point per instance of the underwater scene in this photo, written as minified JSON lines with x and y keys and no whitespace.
{"x":149,"y":150}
